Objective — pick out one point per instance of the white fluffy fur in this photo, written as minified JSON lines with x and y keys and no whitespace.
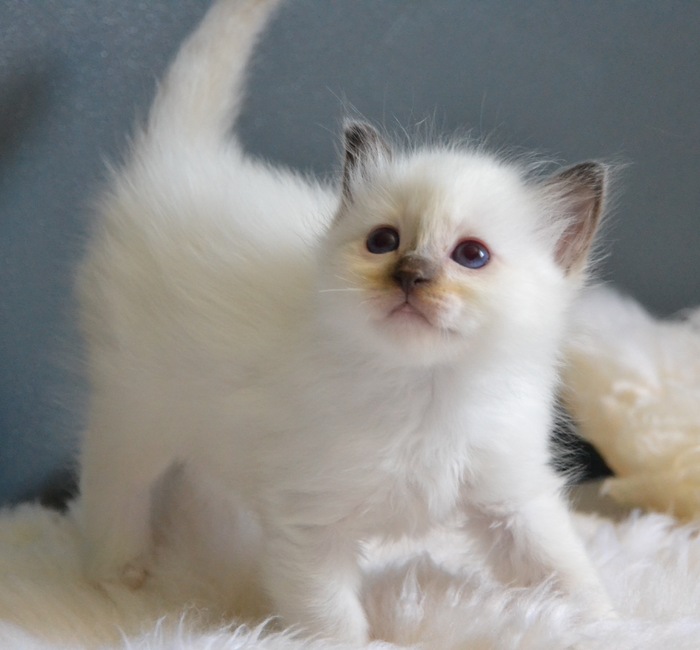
{"x":441,"y":599}
{"x":634,"y":388}
{"x":243,"y":343}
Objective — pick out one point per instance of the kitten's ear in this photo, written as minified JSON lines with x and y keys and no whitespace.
{"x":580,"y":192}
{"x":364,"y":148}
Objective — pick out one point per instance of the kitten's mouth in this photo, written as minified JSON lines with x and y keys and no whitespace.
{"x":409,"y":312}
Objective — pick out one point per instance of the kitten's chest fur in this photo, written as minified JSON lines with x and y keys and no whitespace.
{"x":391,"y":447}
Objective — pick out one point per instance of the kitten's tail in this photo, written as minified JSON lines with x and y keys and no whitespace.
{"x":201,"y":95}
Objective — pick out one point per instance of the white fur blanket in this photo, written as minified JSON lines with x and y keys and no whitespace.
{"x":431,"y":597}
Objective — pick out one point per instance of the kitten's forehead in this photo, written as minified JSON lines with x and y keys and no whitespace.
{"x":440,"y":195}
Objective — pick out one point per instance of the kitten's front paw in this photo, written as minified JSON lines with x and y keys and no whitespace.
{"x":351,"y":629}
{"x":328,"y":614}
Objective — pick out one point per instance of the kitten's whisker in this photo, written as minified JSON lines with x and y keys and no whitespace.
{"x":342,"y":278}
{"x":339,"y":290}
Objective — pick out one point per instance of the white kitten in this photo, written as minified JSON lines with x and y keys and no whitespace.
{"x":353,"y":362}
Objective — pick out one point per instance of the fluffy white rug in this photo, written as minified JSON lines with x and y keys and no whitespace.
{"x":634,"y":389}
{"x":433,"y":596}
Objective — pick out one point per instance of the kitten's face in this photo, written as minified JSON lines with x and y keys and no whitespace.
{"x":437,"y":253}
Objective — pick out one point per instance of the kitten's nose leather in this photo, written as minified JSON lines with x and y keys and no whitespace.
{"x":413,"y":270}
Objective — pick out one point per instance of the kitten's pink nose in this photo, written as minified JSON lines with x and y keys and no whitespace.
{"x":413,"y":270}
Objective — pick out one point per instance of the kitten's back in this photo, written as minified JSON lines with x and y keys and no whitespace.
{"x":180,"y":250}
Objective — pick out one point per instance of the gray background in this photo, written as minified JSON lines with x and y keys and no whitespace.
{"x":572,"y":80}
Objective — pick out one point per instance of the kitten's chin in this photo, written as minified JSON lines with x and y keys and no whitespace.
{"x":397,"y":333}
{"x":413,"y":338}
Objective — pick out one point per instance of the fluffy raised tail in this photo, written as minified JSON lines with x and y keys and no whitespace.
{"x":202,"y":93}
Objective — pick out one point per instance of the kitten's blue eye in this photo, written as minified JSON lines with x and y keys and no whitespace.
{"x":383,"y":240}
{"x":471,"y":254}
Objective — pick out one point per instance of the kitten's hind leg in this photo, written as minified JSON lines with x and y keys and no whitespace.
{"x":312,"y":576}
{"x":115,"y":506}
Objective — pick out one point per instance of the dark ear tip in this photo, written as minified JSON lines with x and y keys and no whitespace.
{"x":364,"y":148}
{"x":356,"y":132}
{"x":356,"y":126}
{"x":590,"y":173}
